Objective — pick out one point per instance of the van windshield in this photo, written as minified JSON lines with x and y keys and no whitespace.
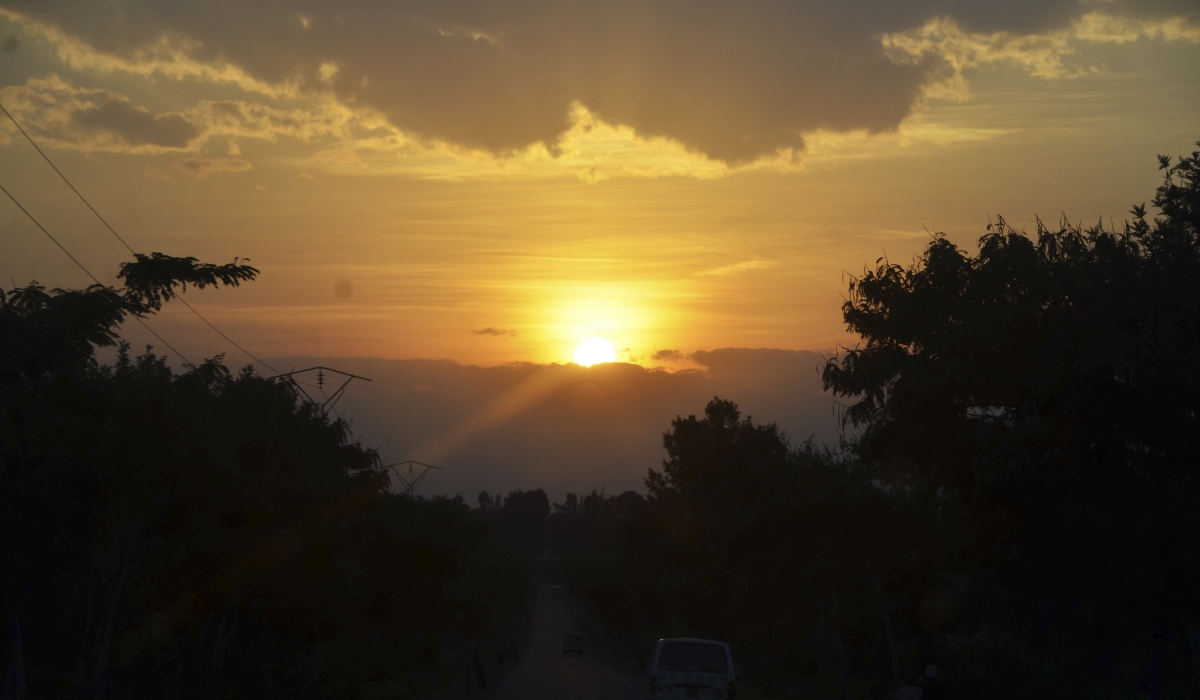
{"x":694,"y":657}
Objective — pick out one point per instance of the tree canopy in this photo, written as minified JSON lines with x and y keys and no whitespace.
{"x":208,"y":533}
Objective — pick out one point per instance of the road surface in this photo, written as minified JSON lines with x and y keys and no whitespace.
{"x":543,"y":673}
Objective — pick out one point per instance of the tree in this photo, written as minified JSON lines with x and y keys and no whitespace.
{"x":1049,"y":385}
{"x":49,"y":339}
{"x":204,"y":534}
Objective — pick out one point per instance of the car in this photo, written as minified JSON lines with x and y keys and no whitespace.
{"x":573,"y":644}
{"x":691,"y":668}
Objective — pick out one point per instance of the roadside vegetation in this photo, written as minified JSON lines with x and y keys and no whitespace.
{"x":209,"y":534}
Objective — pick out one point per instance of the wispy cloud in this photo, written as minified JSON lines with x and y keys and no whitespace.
{"x":667,"y":356}
{"x":494,"y":331}
{"x":206,"y":166}
{"x":738,"y":268}
{"x":950,"y":51}
{"x":66,"y":115}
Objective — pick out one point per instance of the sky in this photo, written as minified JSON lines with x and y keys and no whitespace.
{"x":490,"y":183}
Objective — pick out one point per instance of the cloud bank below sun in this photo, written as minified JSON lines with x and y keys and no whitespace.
{"x":565,"y":427}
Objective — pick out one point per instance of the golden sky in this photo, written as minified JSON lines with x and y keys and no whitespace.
{"x":492,"y":182}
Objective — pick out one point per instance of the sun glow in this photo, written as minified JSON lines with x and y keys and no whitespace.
{"x":593,"y":351}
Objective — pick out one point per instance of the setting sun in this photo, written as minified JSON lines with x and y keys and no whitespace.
{"x":593,"y":351}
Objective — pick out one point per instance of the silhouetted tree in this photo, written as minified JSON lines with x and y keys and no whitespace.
{"x":1048,"y":387}
{"x":201,"y":534}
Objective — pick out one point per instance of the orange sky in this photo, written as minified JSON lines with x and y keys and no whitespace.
{"x":517,"y":178}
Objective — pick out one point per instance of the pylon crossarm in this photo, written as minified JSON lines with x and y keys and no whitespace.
{"x":321,"y":367}
{"x":330,"y":401}
{"x":412,"y":482}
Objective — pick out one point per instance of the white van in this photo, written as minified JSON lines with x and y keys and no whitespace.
{"x":692,"y":668}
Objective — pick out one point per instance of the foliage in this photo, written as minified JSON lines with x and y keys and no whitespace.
{"x":1051,"y":386}
{"x":202,"y":534}
{"x":151,"y":280}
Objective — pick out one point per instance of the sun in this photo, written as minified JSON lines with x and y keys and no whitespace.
{"x":593,"y":351}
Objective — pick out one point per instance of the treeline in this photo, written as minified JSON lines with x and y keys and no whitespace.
{"x":1019,"y":505}
{"x":209,"y":534}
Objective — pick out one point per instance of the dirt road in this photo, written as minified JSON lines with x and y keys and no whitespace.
{"x":544,"y":674}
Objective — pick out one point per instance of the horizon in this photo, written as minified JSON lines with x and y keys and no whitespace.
{"x":486,"y":427}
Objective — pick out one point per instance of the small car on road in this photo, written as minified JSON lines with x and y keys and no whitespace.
{"x":573,"y":644}
{"x":692,"y":668}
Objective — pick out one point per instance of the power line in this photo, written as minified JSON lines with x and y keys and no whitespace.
{"x":89,"y":273}
{"x":64,"y":177}
{"x":43,"y":228}
{"x":122,"y":240}
{"x":231,"y":341}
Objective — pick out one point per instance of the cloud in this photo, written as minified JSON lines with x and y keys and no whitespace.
{"x":733,"y":82}
{"x":1099,"y":27}
{"x":68,"y":116}
{"x":590,"y":149}
{"x":564,"y":427}
{"x":667,"y":356}
{"x":63,"y":114}
{"x":494,"y":331}
{"x":950,"y":51}
{"x":95,"y":119}
{"x":738,"y":268}
{"x":248,"y":119}
{"x":134,"y":125}
{"x":170,"y":57}
{"x":201,"y":167}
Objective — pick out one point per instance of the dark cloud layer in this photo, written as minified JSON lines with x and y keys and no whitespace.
{"x":585,"y":428}
{"x":136,"y":126}
{"x":734,"y":80}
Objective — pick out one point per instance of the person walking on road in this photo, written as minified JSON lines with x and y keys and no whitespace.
{"x":910,"y":690}
{"x":932,"y":687}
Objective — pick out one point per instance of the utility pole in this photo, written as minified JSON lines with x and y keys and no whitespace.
{"x":415,"y":476}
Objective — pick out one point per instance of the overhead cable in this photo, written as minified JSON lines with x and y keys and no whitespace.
{"x":64,"y":177}
{"x":122,"y":240}
{"x":89,"y":274}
